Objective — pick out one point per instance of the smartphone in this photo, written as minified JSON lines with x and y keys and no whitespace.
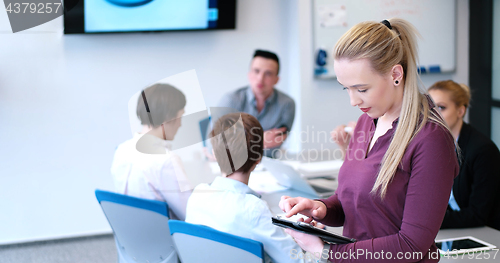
{"x":461,"y":245}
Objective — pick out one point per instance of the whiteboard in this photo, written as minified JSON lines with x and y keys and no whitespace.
{"x":435,"y":21}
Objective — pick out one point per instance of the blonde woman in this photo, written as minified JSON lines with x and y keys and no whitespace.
{"x":399,"y":167}
{"x":475,"y":200}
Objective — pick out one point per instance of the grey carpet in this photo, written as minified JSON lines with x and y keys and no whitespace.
{"x":96,"y":249}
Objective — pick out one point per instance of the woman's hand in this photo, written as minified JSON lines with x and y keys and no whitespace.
{"x":342,"y":134}
{"x":313,"y":209}
{"x":309,"y":243}
{"x":274,"y":137}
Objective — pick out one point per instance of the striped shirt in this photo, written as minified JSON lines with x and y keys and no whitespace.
{"x":278,"y":111}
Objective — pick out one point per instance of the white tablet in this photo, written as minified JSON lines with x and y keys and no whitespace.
{"x":461,"y":245}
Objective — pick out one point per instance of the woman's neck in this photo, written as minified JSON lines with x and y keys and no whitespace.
{"x":241,"y":177}
{"x":393,"y":113}
{"x":157,"y":132}
{"x":455,"y":130}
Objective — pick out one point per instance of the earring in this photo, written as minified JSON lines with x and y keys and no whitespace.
{"x":396,"y":82}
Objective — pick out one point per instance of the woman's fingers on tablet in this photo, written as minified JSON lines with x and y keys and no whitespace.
{"x":293,"y":210}
{"x":319,"y":210}
{"x":289,"y":205}
{"x":315,"y":213}
{"x":319,"y":225}
{"x":308,"y":220}
{"x":283,"y":203}
{"x":300,"y":205}
{"x":292,"y":206}
{"x":284,"y":197}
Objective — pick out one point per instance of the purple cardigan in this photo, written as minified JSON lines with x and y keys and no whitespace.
{"x":404,"y":225}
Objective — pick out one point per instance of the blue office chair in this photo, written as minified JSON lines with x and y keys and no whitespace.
{"x":197,"y":243}
{"x":140,"y":227}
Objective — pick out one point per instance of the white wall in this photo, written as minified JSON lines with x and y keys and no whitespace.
{"x":63,"y":107}
{"x":324,"y":105}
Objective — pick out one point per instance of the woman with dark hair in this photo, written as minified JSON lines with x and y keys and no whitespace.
{"x":228,"y":204}
{"x":144,"y":166}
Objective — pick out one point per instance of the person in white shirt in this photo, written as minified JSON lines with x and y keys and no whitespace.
{"x":228,"y":204}
{"x":145,"y":166}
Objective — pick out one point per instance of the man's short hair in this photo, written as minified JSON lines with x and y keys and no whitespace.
{"x":233,"y":139}
{"x":159,"y":103}
{"x":268,"y":55}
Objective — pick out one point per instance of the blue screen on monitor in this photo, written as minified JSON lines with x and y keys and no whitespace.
{"x":148,"y":15}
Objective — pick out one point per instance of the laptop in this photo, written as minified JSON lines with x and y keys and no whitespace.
{"x":288,"y":177}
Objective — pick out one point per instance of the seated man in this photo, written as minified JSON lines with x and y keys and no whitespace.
{"x":228,"y":204}
{"x":273,"y":109}
{"x":144,"y":166}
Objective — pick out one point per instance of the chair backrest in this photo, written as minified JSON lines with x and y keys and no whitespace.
{"x":204,"y":129}
{"x":197,"y":243}
{"x":140,"y":227}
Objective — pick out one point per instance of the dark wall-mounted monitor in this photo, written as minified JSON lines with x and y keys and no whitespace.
{"x":113,"y":16}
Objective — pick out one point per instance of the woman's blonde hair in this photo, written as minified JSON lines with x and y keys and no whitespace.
{"x":460,"y":93}
{"x":387,"y":45}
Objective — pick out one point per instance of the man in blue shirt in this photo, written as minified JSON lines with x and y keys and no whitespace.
{"x":274,"y":109}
